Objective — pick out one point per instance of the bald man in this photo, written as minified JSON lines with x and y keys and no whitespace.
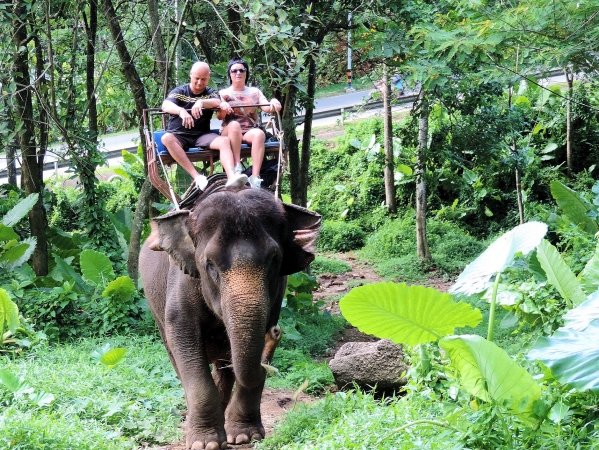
{"x":189,"y":126}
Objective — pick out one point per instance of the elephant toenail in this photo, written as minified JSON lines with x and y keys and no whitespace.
{"x":197,"y":445}
{"x":213,"y":446}
{"x":242,"y":439}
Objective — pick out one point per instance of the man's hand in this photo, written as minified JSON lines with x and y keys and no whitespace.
{"x":196,"y":109}
{"x":186,"y":118}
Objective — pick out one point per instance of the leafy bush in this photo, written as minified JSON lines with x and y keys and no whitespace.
{"x":119,"y":193}
{"x":65,"y":208}
{"x":451,"y":248}
{"x":339,"y":236}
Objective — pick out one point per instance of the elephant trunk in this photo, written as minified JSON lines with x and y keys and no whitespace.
{"x":245,"y":302}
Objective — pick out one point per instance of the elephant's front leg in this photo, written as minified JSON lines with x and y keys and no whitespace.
{"x":205,"y":416}
{"x":244,"y":423}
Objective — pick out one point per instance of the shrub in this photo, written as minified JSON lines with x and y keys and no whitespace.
{"x":451,"y":247}
{"x":65,"y":209}
{"x":119,"y":193}
{"x":339,"y":236}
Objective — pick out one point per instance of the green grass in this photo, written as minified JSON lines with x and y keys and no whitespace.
{"x":358,"y":84}
{"x":323,"y":264}
{"x":94,"y":407}
{"x":348,"y":420}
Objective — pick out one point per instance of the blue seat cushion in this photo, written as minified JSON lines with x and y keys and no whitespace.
{"x":162,"y":151}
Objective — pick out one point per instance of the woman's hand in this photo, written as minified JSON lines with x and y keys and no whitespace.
{"x":275,"y":104}
{"x":224,"y":106}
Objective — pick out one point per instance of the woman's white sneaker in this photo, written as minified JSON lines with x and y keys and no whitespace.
{"x":255,"y":181}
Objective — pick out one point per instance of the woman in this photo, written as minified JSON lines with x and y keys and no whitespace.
{"x":240,"y":123}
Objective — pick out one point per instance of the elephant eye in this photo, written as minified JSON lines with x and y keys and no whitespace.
{"x":212,"y":271}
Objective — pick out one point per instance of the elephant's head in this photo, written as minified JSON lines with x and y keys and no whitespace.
{"x":240,"y":244}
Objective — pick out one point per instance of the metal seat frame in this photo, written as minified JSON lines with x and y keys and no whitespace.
{"x":158,"y":157}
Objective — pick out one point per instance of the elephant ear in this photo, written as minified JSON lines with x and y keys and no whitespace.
{"x":170,"y":234}
{"x":299,"y":245}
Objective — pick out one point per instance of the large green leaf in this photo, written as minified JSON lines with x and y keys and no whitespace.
{"x":580,"y":317}
{"x":123,"y":221}
{"x":559,"y":274}
{"x":69,"y":273}
{"x":589,"y":277}
{"x":523,"y":238}
{"x":406,"y":314}
{"x":487,"y":372}
{"x":10,"y":380}
{"x":96,"y":267}
{"x":9,"y":313}
{"x":120,"y":289}
{"x":574,"y":206}
{"x":572,"y":356}
{"x":7,"y":233}
{"x":113,"y":357}
{"x":20,"y":210}
{"x":16,"y":255}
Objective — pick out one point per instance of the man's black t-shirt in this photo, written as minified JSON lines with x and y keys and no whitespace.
{"x":183,"y":96}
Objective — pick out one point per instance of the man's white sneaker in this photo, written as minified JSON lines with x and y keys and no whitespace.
{"x":255,"y":181}
{"x":238,"y":168}
{"x":201,"y":182}
{"x":238,"y":180}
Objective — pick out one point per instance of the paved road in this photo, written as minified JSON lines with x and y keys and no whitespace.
{"x":129,"y":140}
{"x":341,"y":101}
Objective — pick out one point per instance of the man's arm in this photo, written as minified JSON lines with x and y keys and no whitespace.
{"x":173,"y":108}
{"x":170,"y":107}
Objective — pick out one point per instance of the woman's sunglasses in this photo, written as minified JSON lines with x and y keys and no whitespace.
{"x":238,"y":70}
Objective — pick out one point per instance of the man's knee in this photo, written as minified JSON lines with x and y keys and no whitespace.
{"x":168,"y":138}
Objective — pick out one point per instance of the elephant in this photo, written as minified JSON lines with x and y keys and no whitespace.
{"x":214,"y":277}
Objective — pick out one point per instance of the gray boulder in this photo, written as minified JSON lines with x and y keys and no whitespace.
{"x":370,"y":364}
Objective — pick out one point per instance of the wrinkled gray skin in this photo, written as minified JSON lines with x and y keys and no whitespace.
{"x":214,"y":279}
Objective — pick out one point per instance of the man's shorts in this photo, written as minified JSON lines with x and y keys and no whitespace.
{"x":189,"y":141}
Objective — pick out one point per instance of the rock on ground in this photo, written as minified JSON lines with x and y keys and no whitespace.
{"x":370,"y":365}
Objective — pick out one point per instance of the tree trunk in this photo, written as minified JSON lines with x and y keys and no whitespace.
{"x":570,"y":80}
{"x":158,"y":45}
{"x":519,"y":195}
{"x":24,"y":111}
{"x":291,"y":144}
{"x":304,"y":165}
{"x":389,"y":166}
{"x":141,"y":212}
{"x":91,"y":29}
{"x":138,"y":92}
{"x":43,"y":126}
{"x":421,"y":240}
{"x":11,"y":167}
{"x":128,"y":67}
{"x":234,"y":22}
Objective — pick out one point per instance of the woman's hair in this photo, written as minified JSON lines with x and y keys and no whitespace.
{"x":238,"y":61}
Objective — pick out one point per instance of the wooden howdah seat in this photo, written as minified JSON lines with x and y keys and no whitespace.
{"x":159,"y":159}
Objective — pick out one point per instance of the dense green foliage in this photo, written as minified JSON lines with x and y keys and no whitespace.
{"x":93,"y":406}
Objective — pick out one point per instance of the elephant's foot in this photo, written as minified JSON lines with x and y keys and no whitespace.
{"x":244,"y":433}
{"x":199,"y":445}
{"x":206,"y":441}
